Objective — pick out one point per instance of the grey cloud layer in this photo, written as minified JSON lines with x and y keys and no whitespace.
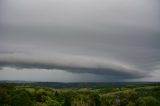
{"x":105,"y":37}
{"x":77,"y":64}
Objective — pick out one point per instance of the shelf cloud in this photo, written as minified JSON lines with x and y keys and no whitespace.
{"x":75,"y":64}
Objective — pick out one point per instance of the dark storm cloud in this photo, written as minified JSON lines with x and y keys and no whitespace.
{"x":75,"y":64}
{"x":105,"y":37}
{"x":99,"y":71}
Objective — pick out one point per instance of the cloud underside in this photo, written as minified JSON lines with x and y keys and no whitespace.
{"x":74,"y":65}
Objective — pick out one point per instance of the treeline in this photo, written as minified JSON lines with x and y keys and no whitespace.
{"x":80,"y":84}
{"x":11,"y":95}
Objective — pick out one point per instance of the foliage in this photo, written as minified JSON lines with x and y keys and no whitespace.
{"x":35,"y":96}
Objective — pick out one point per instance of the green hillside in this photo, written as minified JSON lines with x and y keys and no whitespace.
{"x":15,"y":95}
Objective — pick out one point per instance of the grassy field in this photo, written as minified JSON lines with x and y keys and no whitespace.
{"x":125,"y":95}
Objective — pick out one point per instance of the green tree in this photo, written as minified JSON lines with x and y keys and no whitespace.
{"x":132,"y":96}
{"x":131,"y":104}
{"x":21,"y":98}
{"x":95,"y":99}
{"x":4,"y":97}
{"x":148,"y":101}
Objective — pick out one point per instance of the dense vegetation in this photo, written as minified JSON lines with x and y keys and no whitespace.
{"x":142,"y":95}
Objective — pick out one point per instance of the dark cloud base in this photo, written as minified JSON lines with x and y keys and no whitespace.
{"x":100,"y":71}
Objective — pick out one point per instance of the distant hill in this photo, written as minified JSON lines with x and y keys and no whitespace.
{"x":80,"y":84}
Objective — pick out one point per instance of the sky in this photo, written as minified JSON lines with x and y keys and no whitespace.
{"x":80,"y":40}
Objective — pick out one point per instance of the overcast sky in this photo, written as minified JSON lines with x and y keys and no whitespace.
{"x":80,"y":40}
